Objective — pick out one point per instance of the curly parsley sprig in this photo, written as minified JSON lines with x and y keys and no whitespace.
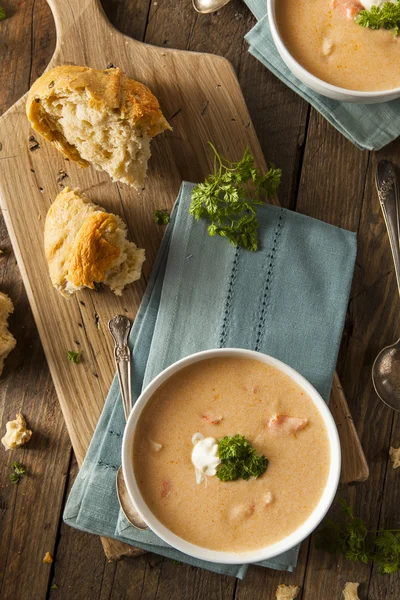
{"x":18,"y":471}
{"x":239,"y":459}
{"x":229,"y":197}
{"x":386,"y":16}
{"x":357,"y":543}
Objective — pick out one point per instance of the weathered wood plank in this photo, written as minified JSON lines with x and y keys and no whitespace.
{"x":261,"y":584}
{"x":347,"y":198}
{"x":80,"y":568}
{"x":381,"y":326}
{"x":29,"y":526}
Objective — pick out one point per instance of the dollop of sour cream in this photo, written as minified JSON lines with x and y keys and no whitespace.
{"x":368,"y":4}
{"x":204,"y":456}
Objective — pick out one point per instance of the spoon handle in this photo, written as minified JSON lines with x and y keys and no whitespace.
{"x":388,"y":192}
{"x":120,"y":327}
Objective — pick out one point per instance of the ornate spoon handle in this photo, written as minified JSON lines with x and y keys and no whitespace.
{"x":388,"y":193}
{"x":120,"y":327}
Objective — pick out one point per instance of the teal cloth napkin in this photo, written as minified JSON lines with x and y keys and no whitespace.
{"x":289,"y":299}
{"x":368,"y":126}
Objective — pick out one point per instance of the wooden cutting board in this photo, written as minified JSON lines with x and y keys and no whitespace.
{"x":201,"y":98}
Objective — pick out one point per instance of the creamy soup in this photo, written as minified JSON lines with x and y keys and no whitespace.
{"x":323,"y":36}
{"x":224,"y":397}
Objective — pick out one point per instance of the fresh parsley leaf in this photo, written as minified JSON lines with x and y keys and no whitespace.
{"x":239,"y":459}
{"x":386,"y":16}
{"x":229,"y":197}
{"x":351,"y":538}
{"x":74,"y":357}
{"x":18,"y":468}
{"x":18,"y":471}
{"x":2,"y":13}
{"x":161,"y":217}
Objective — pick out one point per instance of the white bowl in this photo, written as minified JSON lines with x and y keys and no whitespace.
{"x":231,"y":557}
{"x":316,"y":84}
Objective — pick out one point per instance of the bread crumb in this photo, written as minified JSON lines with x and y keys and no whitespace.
{"x":7,"y":340}
{"x":394,"y":454}
{"x":287,"y":592}
{"x":17,"y":433}
{"x":47,"y":558}
{"x":350,"y":591}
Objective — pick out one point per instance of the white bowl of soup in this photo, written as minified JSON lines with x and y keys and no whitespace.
{"x":186,"y":420}
{"x":323,"y":45}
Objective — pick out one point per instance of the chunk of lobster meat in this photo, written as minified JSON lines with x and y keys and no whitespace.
{"x":268,"y":498}
{"x":166,"y":488}
{"x":213,"y":419}
{"x":350,"y":8}
{"x":286,"y":425}
{"x":241,"y":512}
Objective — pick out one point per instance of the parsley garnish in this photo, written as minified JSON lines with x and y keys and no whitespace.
{"x":228,"y":198}
{"x":2,"y":13}
{"x":359,"y":544}
{"x":161,"y":217}
{"x":239,"y":459}
{"x":19,"y":471}
{"x":386,"y":16}
{"x":74,"y":357}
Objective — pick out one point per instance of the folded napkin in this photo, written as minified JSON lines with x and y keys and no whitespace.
{"x":288,"y":299}
{"x":368,"y":126}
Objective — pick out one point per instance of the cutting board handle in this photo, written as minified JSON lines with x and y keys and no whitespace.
{"x":81,"y":25}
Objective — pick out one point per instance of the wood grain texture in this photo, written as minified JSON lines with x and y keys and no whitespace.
{"x":269,"y":101}
{"x":207,"y":102}
{"x":27,"y":533}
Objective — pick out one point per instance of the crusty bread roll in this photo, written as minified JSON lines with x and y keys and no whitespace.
{"x":85,"y":245}
{"x":7,"y":340}
{"x":98,"y":117}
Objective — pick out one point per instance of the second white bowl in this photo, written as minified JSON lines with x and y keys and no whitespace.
{"x":316,"y":84}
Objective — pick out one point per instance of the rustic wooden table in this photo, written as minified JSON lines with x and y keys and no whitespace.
{"x":326,"y":177}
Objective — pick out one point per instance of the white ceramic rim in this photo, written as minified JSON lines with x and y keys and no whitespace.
{"x":221,"y":556}
{"x":309,"y":79}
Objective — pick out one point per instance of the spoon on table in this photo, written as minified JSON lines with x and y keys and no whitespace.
{"x":205,"y":7}
{"x":120,"y":327}
{"x":386,"y":368}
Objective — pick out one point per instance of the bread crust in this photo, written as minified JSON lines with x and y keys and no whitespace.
{"x":92,"y":255}
{"x":107,"y":90}
{"x":81,"y":242}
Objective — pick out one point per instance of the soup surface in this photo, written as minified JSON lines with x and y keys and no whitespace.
{"x":227,"y":396}
{"x":324,"y":38}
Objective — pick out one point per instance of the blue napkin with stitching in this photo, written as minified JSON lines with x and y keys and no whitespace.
{"x":289,"y":300}
{"x":368,"y":126}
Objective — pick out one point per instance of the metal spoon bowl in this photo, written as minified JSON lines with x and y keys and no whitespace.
{"x":386,"y":375}
{"x":205,"y":7}
{"x":386,"y":368}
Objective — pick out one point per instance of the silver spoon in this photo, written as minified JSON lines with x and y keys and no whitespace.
{"x":120,"y":327}
{"x":205,"y":7}
{"x":386,"y":368}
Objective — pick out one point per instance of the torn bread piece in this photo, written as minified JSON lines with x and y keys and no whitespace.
{"x":394,"y":454}
{"x":7,"y":340}
{"x":17,"y":433}
{"x":98,"y":117}
{"x":350,"y":591}
{"x":85,"y":245}
{"x":287,"y":592}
